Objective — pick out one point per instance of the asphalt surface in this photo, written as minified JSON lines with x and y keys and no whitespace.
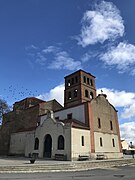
{"x":116,"y":173}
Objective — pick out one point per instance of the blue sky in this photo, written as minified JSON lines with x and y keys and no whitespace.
{"x":41,"y":41}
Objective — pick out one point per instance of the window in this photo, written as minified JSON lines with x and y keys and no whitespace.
{"x":101,"y":143}
{"x":111,"y":125}
{"x":68,"y":83}
{"x":75,"y":93}
{"x":88,"y":81}
{"x":69,"y":95}
{"x":76,"y":79}
{"x":60,"y":142}
{"x":86,"y":93}
{"x":91,"y":82}
{"x":72,"y":80}
{"x":36,"y":146}
{"x":99,"y":123}
{"x":84,"y":79}
{"x":113,"y":142}
{"x":69,"y":116}
{"x":91,"y":95}
{"x":82,"y":140}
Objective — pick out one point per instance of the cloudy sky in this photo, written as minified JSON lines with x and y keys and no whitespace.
{"x":41,"y":41}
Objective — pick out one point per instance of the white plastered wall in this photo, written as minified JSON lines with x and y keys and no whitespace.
{"x":77,"y":113}
{"x":107,"y":145}
{"x":30,"y":140}
{"x":77,"y":148}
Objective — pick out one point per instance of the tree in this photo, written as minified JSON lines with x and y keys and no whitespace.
{"x":4,"y":108}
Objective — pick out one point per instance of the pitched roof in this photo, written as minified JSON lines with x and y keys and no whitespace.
{"x":75,"y":123}
{"x":26,"y":129}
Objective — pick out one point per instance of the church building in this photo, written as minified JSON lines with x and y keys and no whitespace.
{"x":87,"y":125}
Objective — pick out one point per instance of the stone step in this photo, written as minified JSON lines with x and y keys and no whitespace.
{"x":71,"y":166}
{"x":36,"y":168}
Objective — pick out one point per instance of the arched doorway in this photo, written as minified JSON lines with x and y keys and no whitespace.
{"x":47,"y":146}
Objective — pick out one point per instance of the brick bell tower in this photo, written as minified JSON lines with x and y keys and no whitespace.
{"x":79,"y":88}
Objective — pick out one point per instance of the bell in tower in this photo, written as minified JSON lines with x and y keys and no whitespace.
{"x":79,"y":88}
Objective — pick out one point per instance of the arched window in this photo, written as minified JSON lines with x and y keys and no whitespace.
{"x":84,"y":79}
{"x":99,"y":123}
{"x":75,"y":93}
{"x":82,"y":140}
{"x":68,"y":83}
{"x":101,"y":142}
{"x":91,"y":95}
{"x":76,"y":79}
{"x":86,"y":93}
{"x":111,"y":125}
{"x":88,"y":81}
{"x":69,"y":95}
{"x":72,"y":80}
{"x":91,"y":82}
{"x":113,"y":142}
{"x":36,"y":146}
{"x":60,"y":142}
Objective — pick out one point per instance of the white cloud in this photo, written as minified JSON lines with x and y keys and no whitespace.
{"x":88,"y":56}
{"x":103,"y":23}
{"x":123,"y":99}
{"x":31,"y":47}
{"x":50,"y":49}
{"x":64,"y":61}
{"x":55,"y":93}
{"x":40,"y":59}
{"x":118,"y":98}
{"x":129,"y":112}
{"x":127,"y":131}
{"x":122,"y":56}
{"x":53,"y":57}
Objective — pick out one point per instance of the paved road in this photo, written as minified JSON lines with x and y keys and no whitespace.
{"x":116,"y":173}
